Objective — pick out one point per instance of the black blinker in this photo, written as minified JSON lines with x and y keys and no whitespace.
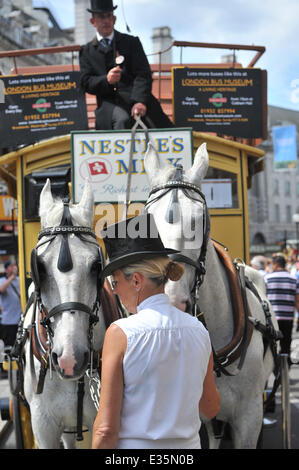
{"x":173,"y":213}
{"x":65,"y":262}
{"x":34,"y":269}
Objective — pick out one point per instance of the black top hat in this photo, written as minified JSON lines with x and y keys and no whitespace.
{"x":101,"y":6}
{"x":132,"y":240}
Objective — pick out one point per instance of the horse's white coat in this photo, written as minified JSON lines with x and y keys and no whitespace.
{"x":55,"y":410}
{"x":242,"y":395}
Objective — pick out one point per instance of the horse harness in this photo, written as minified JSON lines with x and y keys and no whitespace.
{"x":179,"y":184}
{"x":40,"y":332}
{"x":237,"y":348}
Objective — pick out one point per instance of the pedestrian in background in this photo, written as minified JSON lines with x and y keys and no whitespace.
{"x":258,"y":263}
{"x":10,"y":301}
{"x":283,"y":294}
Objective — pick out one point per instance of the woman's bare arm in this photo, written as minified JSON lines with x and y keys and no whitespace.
{"x":106,"y":425}
{"x":209,"y":403}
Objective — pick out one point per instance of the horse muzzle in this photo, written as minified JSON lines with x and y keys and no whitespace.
{"x":71,"y":365}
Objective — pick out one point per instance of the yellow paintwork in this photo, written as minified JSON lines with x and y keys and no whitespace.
{"x":5,"y":365}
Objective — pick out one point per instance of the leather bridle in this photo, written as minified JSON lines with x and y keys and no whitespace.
{"x":199,"y":265}
{"x":65,"y":264}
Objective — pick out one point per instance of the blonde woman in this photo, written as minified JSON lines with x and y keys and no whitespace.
{"x":157,"y":366}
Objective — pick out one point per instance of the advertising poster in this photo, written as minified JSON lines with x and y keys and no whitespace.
{"x":285,"y":146}
{"x":37,"y":107}
{"x":103,"y":158}
{"x":225,"y":101}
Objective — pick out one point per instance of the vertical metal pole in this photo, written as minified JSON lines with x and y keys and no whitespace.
{"x":285,"y":402}
{"x":15,"y":64}
{"x":160,"y":66}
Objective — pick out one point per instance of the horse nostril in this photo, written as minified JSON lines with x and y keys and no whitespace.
{"x":55,"y":358}
{"x":82,"y":364}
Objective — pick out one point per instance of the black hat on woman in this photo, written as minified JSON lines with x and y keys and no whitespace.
{"x":101,"y":6}
{"x":132,"y":240}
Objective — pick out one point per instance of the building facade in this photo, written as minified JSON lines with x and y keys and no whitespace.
{"x":84,"y":31}
{"x":24,"y":27}
{"x":274,"y":196}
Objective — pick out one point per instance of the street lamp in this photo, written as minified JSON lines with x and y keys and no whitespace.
{"x":296,"y":221}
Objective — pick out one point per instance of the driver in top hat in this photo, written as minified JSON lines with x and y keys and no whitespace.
{"x":124,"y":89}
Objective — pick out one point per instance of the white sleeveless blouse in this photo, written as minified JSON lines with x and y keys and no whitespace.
{"x":164,"y":368}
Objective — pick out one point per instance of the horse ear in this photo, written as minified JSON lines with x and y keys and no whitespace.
{"x":200,"y":165}
{"x":151,"y":162}
{"x":86,"y":204}
{"x":45,"y":199}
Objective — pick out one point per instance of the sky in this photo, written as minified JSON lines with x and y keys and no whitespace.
{"x":269,"y":23}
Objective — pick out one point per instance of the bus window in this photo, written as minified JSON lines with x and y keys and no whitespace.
{"x":220,"y":189}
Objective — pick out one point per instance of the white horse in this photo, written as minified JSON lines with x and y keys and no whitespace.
{"x":179,"y":215}
{"x":71,"y":290}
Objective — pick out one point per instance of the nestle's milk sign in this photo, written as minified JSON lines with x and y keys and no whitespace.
{"x":103,"y":158}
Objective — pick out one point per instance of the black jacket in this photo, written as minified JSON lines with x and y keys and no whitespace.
{"x":136,"y":79}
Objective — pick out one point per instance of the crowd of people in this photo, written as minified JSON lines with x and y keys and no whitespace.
{"x":281,"y":275}
{"x":265,"y":264}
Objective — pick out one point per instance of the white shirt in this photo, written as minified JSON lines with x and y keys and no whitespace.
{"x":164,"y":368}
{"x":99,"y":37}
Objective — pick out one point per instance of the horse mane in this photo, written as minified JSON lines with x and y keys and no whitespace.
{"x":165,"y":174}
{"x":51,"y":216}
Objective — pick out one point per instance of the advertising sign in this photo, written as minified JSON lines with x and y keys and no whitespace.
{"x":285,"y":146}
{"x":103,"y":158}
{"x":37,"y":107}
{"x":224,"y":101}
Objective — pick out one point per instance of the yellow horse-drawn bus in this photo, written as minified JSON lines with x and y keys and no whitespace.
{"x":26,"y":170}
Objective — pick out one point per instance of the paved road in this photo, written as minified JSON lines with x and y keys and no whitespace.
{"x":272,"y":436}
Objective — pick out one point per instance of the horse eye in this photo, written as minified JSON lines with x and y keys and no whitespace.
{"x":95,"y":267}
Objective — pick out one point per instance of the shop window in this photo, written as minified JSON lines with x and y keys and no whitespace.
{"x":276,"y":213}
{"x":287,"y":188}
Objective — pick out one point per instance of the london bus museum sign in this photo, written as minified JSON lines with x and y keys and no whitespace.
{"x":230,"y":101}
{"x":37,"y":107}
{"x":103,"y":158}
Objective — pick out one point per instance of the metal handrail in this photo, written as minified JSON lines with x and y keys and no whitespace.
{"x":77,"y":47}
{"x":46,"y":50}
{"x":285,"y":402}
{"x":235,"y":47}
